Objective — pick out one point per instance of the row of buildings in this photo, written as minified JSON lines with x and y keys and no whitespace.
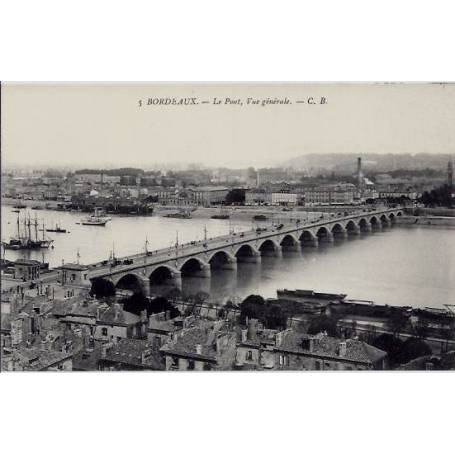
{"x":84,"y":334}
{"x":53,"y":324}
{"x":132,"y":191}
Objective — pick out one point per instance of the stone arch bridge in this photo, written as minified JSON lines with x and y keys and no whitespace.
{"x":167,"y":266}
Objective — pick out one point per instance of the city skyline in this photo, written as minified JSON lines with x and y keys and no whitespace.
{"x":103,"y":124}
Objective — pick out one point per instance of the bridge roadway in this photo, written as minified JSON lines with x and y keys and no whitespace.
{"x":196,"y":258}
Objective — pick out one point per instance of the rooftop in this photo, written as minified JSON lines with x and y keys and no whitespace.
{"x":136,"y":353}
{"x":325,"y":346}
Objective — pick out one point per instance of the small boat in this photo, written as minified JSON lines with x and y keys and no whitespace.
{"x":260,"y":217}
{"x":36,"y":207}
{"x":96,"y":219}
{"x":183,"y":214}
{"x":19,"y":206}
{"x":223,"y":215}
{"x":16,"y":211}
{"x":57,"y":229}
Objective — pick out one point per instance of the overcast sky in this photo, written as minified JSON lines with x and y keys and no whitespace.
{"x":88,"y":125}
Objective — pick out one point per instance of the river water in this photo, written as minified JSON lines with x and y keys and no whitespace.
{"x":398,"y":266}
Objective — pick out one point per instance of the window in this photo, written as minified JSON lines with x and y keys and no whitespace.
{"x":104,"y":331}
{"x":249,"y":355}
{"x":317,"y":365}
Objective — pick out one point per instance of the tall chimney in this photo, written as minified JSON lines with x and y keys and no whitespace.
{"x":359,"y":171}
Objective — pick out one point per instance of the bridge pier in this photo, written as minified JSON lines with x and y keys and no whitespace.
{"x":314,"y":242}
{"x":177,"y":279}
{"x":329,"y":238}
{"x":145,"y":286}
{"x":231,"y":264}
{"x":343,"y":234}
{"x":255,"y":258}
{"x":387,"y":223}
{"x":295,"y":247}
{"x":355,"y":230}
{"x":205,"y":272}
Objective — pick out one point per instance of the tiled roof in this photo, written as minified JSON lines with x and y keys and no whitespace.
{"x":36,"y":359}
{"x":203,"y":334}
{"x":113,"y":315}
{"x":130,"y":351}
{"x":325,"y":346}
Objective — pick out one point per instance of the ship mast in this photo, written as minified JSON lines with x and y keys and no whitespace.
{"x":36,"y":227}
{"x":29,"y":229}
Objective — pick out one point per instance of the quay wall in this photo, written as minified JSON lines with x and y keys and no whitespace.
{"x":426,"y":221}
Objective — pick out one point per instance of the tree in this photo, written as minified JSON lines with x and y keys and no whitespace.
{"x":397,"y":322}
{"x":253,"y":307}
{"x":439,"y":197}
{"x":421,"y":328}
{"x":390,"y":344}
{"x":138,"y":302}
{"x":274,"y":317}
{"x":323,"y":323}
{"x":413,"y":348}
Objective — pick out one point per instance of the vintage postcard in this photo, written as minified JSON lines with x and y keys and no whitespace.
{"x":235,"y":226}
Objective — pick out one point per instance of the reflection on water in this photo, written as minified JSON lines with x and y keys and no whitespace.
{"x":399,"y":266}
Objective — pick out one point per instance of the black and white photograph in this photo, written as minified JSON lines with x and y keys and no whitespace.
{"x":227,"y":227}
{"x":236,"y":227}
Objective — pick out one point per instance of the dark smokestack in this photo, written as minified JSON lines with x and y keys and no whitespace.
{"x":359,"y":172}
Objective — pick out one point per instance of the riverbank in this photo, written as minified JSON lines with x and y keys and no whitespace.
{"x":236,"y":213}
{"x":444,"y":221}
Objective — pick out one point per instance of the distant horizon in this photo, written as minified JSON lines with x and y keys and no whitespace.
{"x":220,"y":125}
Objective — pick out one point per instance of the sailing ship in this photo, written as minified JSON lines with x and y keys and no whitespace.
{"x":96,"y":219}
{"x":24,"y":239}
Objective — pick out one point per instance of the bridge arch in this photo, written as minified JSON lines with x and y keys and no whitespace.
{"x":161,"y":275}
{"x":192,"y":266}
{"x":364,"y":224}
{"x":290,"y":242}
{"x":269,"y":246}
{"x":130,"y":282}
{"x":308,"y":237}
{"x":289,"y":239}
{"x":352,"y":227}
{"x":322,"y":232}
{"x":220,"y":259}
{"x":245,"y":250}
{"x":338,"y":228}
{"x":374,"y":221}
